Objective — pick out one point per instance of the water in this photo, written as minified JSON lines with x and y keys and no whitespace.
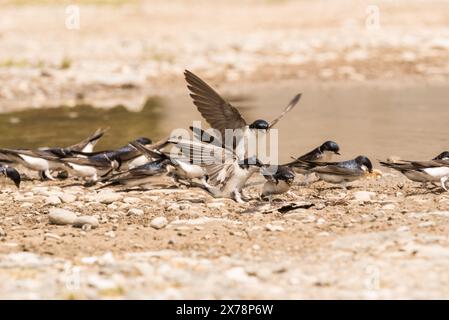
{"x":376,"y":120}
{"x":67,"y":125}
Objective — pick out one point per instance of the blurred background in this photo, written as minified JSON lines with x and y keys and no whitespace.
{"x":374,"y":74}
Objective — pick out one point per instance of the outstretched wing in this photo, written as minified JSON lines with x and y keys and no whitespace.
{"x":203,"y":154}
{"x":88,"y":144}
{"x":289,"y":107}
{"x":218,"y":113}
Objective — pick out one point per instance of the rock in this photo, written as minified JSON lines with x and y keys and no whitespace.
{"x":53,"y":200}
{"x":108,"y":197}
{"x":135,"y":212}
{"x":238,"y":274}
{"x":159,"y":222}
{"x":364,"y":196}
{"x":426,"y":224}
{"x":86,"y":220}
{"x":389,"y":206}
{"x":272,"y":227}
{"x":52,"y":236}
{"x":61,"y":216}
{"x":67,"y":198}
{"x":2,"y":233}
{"x":132,"y":200}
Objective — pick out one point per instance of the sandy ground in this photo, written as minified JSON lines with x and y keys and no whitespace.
{"x":383,"y":238}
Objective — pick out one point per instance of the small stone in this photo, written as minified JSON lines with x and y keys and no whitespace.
{"x":135,"y":212}
{"x":389,"y":206}
{"x":2,"y":233}
{"x":273,"y":228}
{"x":159,"y":222}
{"x":110,"y":234}
{"x":52,"y":236}
{"x":53,"y":200}
{"x":86,"y":220}
{"x":132,"y":200}
{"x":403,"y":229}
{"x":61,"y":216}
{"x":426,"y":224}
{"x":67,"y":198}
{"x":108,"y":197}
{"x":364,"y":196}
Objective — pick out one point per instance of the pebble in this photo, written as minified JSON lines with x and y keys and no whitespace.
{"x":135,"y":212}
{"x":132,"y":200}
{"x":159,"y":222}
{"x":67,"y":198}
{"x":2,"y":232}
{"x":389,"y":206}
{"x":61,"y":216}
{"x":273,"y":228}
{"x":108,"y":197}
{"x":53,"y":200}
{"x":364,"y":196}
{"x":426,"y":224}
{"x":86,"y":220}
{"x":52,"y":236}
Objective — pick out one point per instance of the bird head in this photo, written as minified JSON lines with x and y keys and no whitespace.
{"x":259,"y":125}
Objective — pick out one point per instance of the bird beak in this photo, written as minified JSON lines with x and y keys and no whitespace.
{"x":336,"y":152}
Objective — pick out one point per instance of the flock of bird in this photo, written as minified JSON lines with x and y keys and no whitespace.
{"x":199,"y":161}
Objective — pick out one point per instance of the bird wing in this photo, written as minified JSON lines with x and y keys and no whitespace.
{"x":219,"y":113}
{"x":104,"y":163}
{"x":338,"y":170}
{"x":90,"y":141}
{"x":202,"y":153}
{"x":147,"y":152}
{"x":219,"y":174}
{"x":289,"y":107}
{"x":31,"y":153}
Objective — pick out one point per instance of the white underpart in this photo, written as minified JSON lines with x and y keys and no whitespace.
{"x":189,"y":171}
{"x":89,"y":147}
{"x":234,"y":185}
{"x":83,"y":171}
{"x":136,"y":162}
{"x":437,"y":172}
{"x":35,"y":163}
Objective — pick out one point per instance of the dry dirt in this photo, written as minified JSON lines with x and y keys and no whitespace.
{"x":321,"y":242}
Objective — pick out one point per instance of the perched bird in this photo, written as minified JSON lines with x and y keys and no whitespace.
{"x":226,"y":173}
{"x":11,"y":173}
{"x":179,"y":168}
{"x":87,"y":145}
{"x":436,"y":170}
{"x":340,"y":172}
{"x":140,"y":175}
{"x":221,"y":115}
{"x":44,"y":160}
{"x":322,"y":153}
{"x":442,"y":156}
{"x":91,"y":168}
{"x":278,"y":182}
{"x":36,"y":160}
{"x":128,"y":155}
